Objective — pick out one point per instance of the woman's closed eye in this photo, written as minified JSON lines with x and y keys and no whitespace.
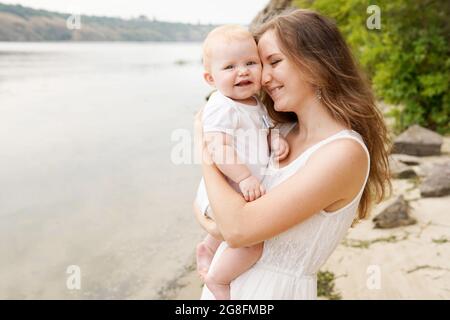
{"x":274,"y":62}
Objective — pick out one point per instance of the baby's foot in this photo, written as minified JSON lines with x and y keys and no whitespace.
{"x":204,"y":259}
{"x":220,"y":291}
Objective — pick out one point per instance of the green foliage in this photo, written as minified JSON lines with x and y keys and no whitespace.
{"x":407,"y":59}
{"x":325,"y":286}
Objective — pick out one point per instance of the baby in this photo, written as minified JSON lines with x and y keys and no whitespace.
{"x":236,"y":133}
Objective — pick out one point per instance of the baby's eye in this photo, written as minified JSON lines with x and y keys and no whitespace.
{"x":251,"y":63}
{"x":228,"y":67}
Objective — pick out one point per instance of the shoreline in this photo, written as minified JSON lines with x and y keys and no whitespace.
{"x":185,"y":286}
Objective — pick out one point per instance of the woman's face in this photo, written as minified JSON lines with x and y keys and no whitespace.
{"x":281,"y":78}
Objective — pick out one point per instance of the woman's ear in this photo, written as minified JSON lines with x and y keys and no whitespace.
{"x":208,"y":78}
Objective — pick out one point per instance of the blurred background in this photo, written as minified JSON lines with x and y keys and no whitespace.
{"x":91,"y":95}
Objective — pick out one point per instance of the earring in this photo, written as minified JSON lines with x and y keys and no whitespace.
{"x":318,"y":93}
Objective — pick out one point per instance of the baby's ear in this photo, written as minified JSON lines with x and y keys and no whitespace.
{"x":208,"y":78}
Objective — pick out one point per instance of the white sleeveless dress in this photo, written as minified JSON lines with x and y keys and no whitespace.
{"x":290,"y":261}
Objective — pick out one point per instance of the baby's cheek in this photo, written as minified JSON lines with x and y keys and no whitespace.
{"x":258,"y":74}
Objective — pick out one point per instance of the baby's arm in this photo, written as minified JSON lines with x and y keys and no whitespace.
{"x":224,"y":155}
{"x":220,"y":146}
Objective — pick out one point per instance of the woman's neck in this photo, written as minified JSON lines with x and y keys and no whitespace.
{"x":316,"y":122}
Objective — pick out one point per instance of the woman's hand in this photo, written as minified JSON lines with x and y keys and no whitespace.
{"x":208,"y":224}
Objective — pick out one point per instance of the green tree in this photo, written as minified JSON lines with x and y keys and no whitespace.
{"x":407,"y":59}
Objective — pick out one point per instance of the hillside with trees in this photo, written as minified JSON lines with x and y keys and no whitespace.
{"x":18,"y":23}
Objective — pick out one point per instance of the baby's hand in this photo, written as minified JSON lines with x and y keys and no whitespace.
{"x":280,"y":148}
{"x":251,"y":188}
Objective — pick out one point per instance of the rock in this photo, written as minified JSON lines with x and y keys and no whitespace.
{"x":424,"y":169}
{"x":407,"y":159}
{"x":400,"y":170}
{"x":437,"y":181}
{"x":272,"y":9}
{"x":418,"y":141}
{"x":395,"y":215}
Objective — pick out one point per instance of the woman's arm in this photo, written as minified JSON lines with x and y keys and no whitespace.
{"x":331,"y":178}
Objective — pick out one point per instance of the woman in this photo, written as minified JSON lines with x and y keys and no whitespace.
{"x":336,"y":167}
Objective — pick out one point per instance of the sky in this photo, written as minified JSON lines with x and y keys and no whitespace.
{"x":190,"y":11}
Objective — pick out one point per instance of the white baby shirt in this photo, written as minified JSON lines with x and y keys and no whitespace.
{"x":247,"y":125}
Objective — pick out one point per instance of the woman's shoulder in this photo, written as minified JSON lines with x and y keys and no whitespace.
{"x":344,"y":160}
{"x":346,"y":146}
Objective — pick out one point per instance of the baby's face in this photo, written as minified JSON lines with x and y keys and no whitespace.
{"x":236,"y":68}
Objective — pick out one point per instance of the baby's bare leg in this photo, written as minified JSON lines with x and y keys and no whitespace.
{"x":232,"y":263}
{"x":205,"y":254}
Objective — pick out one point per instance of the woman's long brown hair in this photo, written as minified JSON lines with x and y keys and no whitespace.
{"x":315,"y":44}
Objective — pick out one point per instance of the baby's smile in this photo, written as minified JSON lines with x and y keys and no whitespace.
{"x":243,"y":83}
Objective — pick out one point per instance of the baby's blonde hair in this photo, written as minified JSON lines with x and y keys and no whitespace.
{"x":225,"y":33}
